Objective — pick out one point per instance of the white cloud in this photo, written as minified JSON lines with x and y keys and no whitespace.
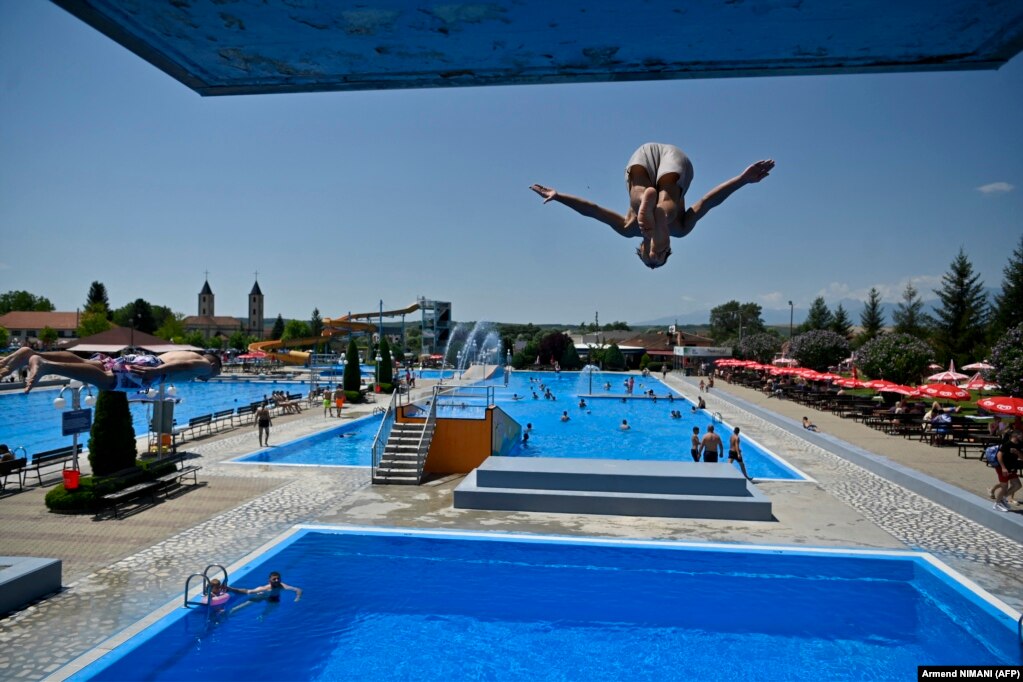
{"x":995,"y":188}
{"x":891,"y":292}
{"x":773,"y":299}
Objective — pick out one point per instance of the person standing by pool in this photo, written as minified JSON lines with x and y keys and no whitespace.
{"x":339,"y":399}
{"x":711,"y":445}
{"x":657,"y":178}
{"x":694,"y":443}
{"x":1009,"y":459}
{"x":735,"y":451}
{"x":263,"y":425}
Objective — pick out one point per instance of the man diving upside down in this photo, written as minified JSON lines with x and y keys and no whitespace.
{"x":657,"y":178}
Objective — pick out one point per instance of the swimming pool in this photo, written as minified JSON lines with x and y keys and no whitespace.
{"x":591,"y":431}
{"x":400,"y":604}
{"x":346,"y":445}
{"x":30,"y":420}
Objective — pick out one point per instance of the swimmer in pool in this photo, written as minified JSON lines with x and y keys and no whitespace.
{"x":270,"y":592}
{"x":657,"y":178}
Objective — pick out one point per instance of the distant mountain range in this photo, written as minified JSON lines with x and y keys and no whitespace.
{"x":780,"y":316}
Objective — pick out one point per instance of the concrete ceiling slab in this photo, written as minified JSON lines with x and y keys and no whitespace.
{"x":230,"y":47}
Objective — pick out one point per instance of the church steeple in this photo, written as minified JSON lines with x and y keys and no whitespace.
{"x":256,"y":310}
{"x":206,"y":299}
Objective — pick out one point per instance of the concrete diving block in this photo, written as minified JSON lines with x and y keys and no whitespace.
{"x":620,"y":487}
{"x":25,"y":579}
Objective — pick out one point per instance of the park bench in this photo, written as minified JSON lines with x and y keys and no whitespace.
{"x":16,"y":467}
{"x":116,"y":499}
{"x":224,"y":418}
{"x":243,"y":415}
{"x":175,"y":477}
{"x":200,"y":423}
{"x":48,"y":458}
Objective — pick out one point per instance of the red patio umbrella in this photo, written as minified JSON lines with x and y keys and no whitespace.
{"x":1002,"y":404}
{"x":877,"y":384}
{"x":978,"y":383}
{"x":946,"y":391}
{"x":950,"y":375}
{"x":848,"y":382}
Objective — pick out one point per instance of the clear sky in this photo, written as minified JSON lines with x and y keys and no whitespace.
{"x":112,"y":171}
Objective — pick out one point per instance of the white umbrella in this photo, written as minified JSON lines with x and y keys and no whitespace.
{"x":978,"y":366}
{"x":950,"y":376}
{"x":978,"y":383}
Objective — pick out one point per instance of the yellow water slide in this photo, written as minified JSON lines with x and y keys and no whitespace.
{"x":332,"y":326}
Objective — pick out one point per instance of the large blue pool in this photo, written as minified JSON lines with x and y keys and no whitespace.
{"x":592,"y":431}
{"x":402,"y":605}
{"x":29,"y":420}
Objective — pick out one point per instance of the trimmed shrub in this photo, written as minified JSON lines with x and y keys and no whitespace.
{"x":86,"y":499}
{"x":901,"y":358}
{"x":112,"y":439}
{"x":613,"y":358}
{"x":353,"y":397}
{"x":760,"y":347}
{"x":1007,"y":357}
{"x":819,"y":349}
{"x":353,"y":375}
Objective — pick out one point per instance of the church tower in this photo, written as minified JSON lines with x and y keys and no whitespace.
{"x":206,"y":300}
{"x":256,"y":311}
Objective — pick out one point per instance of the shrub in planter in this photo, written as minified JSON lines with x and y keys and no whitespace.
{"x":353,"y":396}
{"x":112,"y":439}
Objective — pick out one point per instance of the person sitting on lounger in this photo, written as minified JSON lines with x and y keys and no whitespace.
{"x":657,"y":177}
{"x":124,"y":373}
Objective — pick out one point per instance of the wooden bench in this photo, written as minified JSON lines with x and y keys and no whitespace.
{"x":178,"y":474}
{"x":48,"y":458}
{"x":16,"y":467}
{"x":116,"y":499}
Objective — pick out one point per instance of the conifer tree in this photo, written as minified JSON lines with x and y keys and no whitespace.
{"x":818,"y":317}
{"x":98,"y":294}
{"x":1008,"y":311}
{"x":278,"y":329}
{"x":959,"y":330}
{"x":840,"y":323}
{"x":909,"y":315}
{"x":872,"y":318}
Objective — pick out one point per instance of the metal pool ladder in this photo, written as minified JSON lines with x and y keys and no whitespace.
{"x":205,"y":577}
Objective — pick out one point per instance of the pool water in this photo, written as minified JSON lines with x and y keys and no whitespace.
{"x":30,"y":420}
{"x":346,"y":445}
{"x":430,"y":606}
{"x":592,"y":431}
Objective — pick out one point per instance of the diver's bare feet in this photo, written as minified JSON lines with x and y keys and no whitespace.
{"x":15,"y":361}
{"x":36,"y":371}
{"x":645,"y":215}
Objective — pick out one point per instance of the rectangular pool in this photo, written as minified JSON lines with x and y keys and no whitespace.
{"x":400,"y":604}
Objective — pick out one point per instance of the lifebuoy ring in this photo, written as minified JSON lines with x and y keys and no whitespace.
{"x":215,"y":600}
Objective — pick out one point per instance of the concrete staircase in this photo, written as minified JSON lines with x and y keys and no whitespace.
{"x":399,"y":464}
{"x":604,"y":486}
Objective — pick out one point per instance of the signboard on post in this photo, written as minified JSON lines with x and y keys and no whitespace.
{"x":76,"y":421}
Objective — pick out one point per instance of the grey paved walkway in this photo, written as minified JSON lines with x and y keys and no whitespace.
{"x":244,"y":506}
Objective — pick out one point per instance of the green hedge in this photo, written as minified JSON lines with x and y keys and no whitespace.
{"x":86,"y":498}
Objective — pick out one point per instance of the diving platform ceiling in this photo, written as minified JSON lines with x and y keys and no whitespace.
{"x":235,"y":47}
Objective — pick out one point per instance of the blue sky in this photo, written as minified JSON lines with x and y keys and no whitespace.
{"x":112,"y":171}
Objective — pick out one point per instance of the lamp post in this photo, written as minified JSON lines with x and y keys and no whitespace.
{"x":76,"y":388}
{"x":791,"y":313}
{"x":379,"y":360}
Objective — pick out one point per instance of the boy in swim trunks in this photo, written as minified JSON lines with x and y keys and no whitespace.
{"x":735,"y":451}
{"x":657,"y":177}
{"x":125,"y":373}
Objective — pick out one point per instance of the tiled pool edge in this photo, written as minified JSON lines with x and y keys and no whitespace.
{"x":970,"y":506}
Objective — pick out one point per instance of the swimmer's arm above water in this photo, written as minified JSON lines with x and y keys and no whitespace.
{"x":754,"y":173}
{"x":627,"y":226}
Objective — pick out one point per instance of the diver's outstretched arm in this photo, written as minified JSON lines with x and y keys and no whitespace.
{"x":753,"y":173}
{"x":623,"y":225}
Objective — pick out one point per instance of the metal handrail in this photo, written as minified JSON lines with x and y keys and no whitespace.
{"x":384,"y":432}
{"x":421,"y":451}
